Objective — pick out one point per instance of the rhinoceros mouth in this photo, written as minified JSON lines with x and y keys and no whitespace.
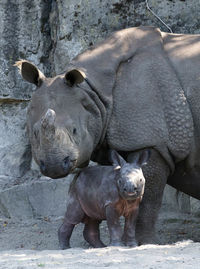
{"x":57,"y":176}
{"x":131,"y":195}
{"x":58,"y":170}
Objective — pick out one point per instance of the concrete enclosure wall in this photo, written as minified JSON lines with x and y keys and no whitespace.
{"x":50,"y":33}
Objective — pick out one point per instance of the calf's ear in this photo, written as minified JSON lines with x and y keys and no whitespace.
{"x":30,"y":72}
{"x":74,"y":76}
{"x":142,"y":158}
{"x":116,"y":159}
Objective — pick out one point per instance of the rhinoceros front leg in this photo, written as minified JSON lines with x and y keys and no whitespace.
{"x":114,"y":227}
{"x":129,"y":229}
{"x":156,"y":173}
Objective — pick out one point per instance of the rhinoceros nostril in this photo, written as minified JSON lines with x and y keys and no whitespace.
{"x":66,"y":163}
{"x":42,"y":166}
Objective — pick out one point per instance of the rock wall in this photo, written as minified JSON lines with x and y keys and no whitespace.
{"x":50,"y":33}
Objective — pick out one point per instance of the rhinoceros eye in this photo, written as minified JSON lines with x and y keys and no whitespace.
{"x":74,"y":131}
{"x":35,"y":132}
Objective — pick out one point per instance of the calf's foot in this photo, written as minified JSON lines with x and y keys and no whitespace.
{"x":131,"y":244}
{"x":116,"y":244}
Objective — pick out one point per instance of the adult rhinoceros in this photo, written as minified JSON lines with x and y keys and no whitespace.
{"x":138,"y":89}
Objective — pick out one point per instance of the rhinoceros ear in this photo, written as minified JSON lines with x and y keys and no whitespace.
{"x":30,"y":72}
{"x":74,"y":77}
{"x":142,"y":158}
{"x":116,"y":159}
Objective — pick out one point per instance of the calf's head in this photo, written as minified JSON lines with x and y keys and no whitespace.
{"x":129,"y":176}
{"x":59,"y":121}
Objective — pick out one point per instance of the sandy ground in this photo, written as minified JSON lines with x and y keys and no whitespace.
{"x":33,"y":244}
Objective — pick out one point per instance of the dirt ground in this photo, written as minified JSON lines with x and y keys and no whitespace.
{"x":33,"y":244}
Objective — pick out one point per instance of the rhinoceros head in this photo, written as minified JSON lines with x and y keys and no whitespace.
{"x":130,"y":178}
{"x":59,"y":121}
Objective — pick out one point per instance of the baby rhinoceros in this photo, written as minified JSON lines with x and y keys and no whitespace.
{"x":106,"y":193}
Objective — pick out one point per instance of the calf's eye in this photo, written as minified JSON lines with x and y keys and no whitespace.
{"x":74,"y":131}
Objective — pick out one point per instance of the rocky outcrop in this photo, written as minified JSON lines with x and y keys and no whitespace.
{"x":23,"y":35}
{"x":50,"y":33}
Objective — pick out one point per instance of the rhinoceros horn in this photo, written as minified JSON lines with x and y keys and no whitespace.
{"x":48,"y":123}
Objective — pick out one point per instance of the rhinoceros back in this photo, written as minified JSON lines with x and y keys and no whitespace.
{"x":149,"y":106}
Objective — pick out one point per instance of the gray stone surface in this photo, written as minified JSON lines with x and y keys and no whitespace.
{"x":50,"y":33}
{"x":35,"y":199}
{"x":14,"y":145}
{"x":21,"y":37}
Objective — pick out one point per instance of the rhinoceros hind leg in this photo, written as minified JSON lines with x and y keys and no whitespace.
{"x":64,"y":234}
{"x":91,"y":233}
{"x":73,"y":216}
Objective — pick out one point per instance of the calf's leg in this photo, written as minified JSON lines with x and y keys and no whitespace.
{"x":73,"y":216}
{"x":91,"y":233}
{"x":114,"y":226}
{"x":64,"y":234}
{"x":129,"y":227}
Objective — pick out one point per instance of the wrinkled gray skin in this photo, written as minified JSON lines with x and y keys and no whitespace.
{"x":106,"y":193}
{"x":138,"y":89}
